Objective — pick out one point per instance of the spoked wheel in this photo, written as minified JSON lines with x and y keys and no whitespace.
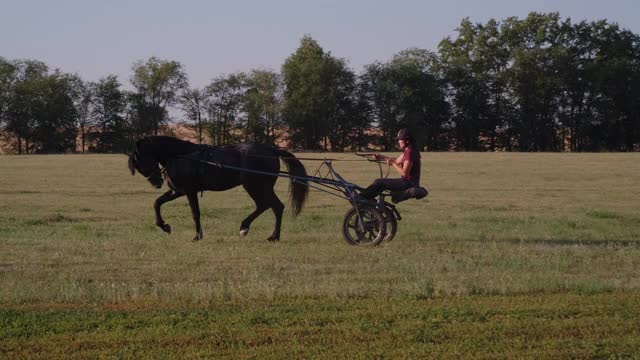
{"x":391,"y":224}
{"x":364,"y":226}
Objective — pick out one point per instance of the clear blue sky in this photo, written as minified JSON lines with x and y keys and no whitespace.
{"x":212,"y":38}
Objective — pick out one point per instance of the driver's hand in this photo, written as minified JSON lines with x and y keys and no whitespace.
{"x":390,"y":162}
{"x":376,"y":157}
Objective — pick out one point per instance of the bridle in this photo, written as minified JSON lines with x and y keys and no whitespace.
{"x":152,"y":172}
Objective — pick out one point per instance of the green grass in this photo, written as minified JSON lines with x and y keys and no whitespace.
{"x":539,"y":326}
{"x":514,"y":255}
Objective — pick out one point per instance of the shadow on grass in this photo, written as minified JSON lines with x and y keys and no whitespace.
{"x":574,"y":242}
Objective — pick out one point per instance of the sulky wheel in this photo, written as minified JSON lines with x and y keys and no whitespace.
{"x":391,"y":224}
{"x":364,"y":225}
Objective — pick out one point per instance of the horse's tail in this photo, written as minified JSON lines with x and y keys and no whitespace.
{"x":298,"y":189}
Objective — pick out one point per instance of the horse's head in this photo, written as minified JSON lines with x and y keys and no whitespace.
{"x":146,"y":165}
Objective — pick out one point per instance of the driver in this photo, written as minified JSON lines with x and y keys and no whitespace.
{"x":407,"y":165}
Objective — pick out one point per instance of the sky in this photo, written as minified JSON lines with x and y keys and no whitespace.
{"x":214,"y":38}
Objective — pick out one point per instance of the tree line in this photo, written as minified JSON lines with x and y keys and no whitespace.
{"x":541,"y":83}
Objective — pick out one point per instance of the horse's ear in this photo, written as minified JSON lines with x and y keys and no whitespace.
{"x":132,"y":166}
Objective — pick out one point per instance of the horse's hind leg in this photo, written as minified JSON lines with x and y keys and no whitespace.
{"x":166,"y":197}
{"x":195,"y":211}
{"x":265,"y":198}
{"x":246,"y":223}
{"x":278,"y":208}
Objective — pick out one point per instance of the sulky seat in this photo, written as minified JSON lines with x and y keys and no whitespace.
{"x":416,"y":192}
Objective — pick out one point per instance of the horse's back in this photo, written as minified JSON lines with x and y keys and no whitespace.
{"x":219,"y":168}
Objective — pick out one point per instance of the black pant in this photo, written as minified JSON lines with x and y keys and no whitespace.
{"x":381,"y":185}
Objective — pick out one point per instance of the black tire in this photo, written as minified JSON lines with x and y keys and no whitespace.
{"x":391,"y":224}
{"x":370,"y":232}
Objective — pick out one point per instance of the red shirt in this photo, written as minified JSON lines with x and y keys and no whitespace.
{"x":413,"y":156}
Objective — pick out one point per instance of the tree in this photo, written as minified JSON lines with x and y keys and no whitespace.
{"x":470,"y":70}
{"x":7,"y":80}
{"x":263,"y":105}
{"x":157,"y":83}
{"x":381,"y":94}
{"x":138,"y":116}
{"x":55,"y":128}
{"x":193,"y":102}
{"x":493,"y":56}
{"x":225,"y":97}
{"x":107,"y":107}
{"x":37,"y":109}
{"x":23,"y":103}
{"x":422,"y":100}
{"x":313,"y":80}
{"x":342,"y":117}
{"x":535,"y":81}
{"x":616,"y":124}
{"x":406,"y":92}
{"x":82,"y":98}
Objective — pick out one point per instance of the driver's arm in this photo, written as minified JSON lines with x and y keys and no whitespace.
{"x":402,"y":168}
{"x":399,"y":159}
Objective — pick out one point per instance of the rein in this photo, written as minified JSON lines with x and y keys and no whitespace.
{"x":300,"y":158}
{"x":367,"y":156}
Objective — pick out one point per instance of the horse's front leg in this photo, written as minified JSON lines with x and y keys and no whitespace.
{"x":195,"y":211}
{"x":166,"y":197}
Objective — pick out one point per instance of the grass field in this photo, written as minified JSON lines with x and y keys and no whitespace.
{"x":511,"y":255}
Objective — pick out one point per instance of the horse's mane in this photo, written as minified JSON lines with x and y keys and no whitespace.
{"x":161,"y":139}
{"x":166,"y":146}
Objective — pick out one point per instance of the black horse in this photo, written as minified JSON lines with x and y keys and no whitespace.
{"x":189,"y":168}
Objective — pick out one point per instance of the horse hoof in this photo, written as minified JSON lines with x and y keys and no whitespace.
{"x":243,"y":232}
{"x":273,"y":239}
{"x":197,"y":238}
{"x":166,"y":228}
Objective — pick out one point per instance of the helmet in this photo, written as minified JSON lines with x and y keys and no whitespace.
{"x":403,"y":134}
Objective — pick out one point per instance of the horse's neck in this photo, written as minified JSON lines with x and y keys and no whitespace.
{"x":167,"y":149}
